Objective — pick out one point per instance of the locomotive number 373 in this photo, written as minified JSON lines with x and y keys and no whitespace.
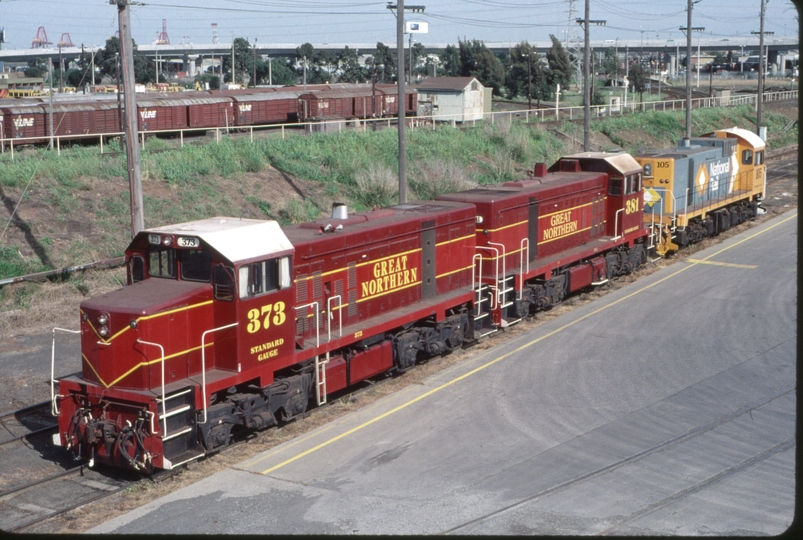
{"x":262,"y":317}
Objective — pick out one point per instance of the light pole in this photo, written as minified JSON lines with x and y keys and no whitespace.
{"x":587,"y":91}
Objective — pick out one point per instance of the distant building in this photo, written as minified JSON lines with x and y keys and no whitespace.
{"x":458,"y":99}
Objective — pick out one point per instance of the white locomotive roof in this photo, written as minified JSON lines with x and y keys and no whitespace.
{"x":237,"y":239}
{"x":621,"y":161}
{"x":752,"y":139}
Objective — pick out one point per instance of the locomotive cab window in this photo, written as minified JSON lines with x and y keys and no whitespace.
{"x":615,"y":185}
{"x":632,"y":184}
{"x":760,"y":157}
{"x":747,"y":157}
{"x":162,"y":262}
{"x":136,"y":269}
{"x":223,"y":278}
{"x":264,"y":277}
{"x":195,"y":265}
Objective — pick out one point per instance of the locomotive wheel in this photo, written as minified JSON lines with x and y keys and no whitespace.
{"x":406,"y":350}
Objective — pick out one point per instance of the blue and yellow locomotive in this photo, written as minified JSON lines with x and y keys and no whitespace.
{"x":703,"y":187}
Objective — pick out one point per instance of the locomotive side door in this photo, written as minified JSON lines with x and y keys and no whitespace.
{"x":623,"y":215}
{"x":265,"y":315}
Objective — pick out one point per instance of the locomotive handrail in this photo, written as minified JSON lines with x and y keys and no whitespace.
{"x":54,"y":406}
{"x":203,"y":363}
{"x":164,"y":407}
{"x":500,"y":293}
{"x":339,"y":315}
{"x":616,"y":224}
{"x":317,"y":321}
{"x":496,"y":274}
{"x":524,"y":258}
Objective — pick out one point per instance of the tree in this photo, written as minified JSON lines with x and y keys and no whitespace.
{"x":106,"y":61}
{"x":560,"y":65}
{"x":350,"y":65}
{"x":386,"y":63}
{"x":418,"y":53}
{"x":243,"y":60}
{"x":489,"y":71}
{"x":37,"y":67}
{"x":639,"y":77}
{"x":450,"y":60}
{"x":477,"y":61}
{"x":610,"y":64}
{"x":525,"y":74}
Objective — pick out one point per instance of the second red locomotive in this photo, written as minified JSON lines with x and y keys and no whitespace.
{"x":230,"y":324}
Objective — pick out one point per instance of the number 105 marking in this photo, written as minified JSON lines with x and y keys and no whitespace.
{"x":261,"y":318}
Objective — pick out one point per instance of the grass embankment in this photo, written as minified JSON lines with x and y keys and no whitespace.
{"x":202,"y":179}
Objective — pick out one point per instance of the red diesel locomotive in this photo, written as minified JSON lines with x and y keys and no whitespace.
{"x":234,"y":324}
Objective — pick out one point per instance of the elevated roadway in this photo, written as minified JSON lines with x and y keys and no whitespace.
{"x":779,"y":45}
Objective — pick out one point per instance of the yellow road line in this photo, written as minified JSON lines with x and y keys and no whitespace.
{"x":504,"y":356}
{"x":731,"y":265}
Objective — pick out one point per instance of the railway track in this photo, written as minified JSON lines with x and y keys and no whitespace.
{"x":688,"y":437}
{"x":27,"y":422}
{"x":39,"y":481}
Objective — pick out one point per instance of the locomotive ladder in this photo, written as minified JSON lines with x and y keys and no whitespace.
{"x":320,"y":367}
{"x":176,"y":420}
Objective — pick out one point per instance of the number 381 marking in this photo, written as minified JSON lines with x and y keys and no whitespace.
{"x":262,"y":317}
{"x":631,"y":206}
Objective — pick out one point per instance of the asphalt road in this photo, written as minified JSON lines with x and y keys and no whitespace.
{"x":666,"y":407}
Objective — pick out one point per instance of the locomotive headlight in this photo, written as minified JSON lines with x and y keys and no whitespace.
{"x":167,"y":240}
{"x":479,"y":220}
{"x":103,"y":319}
{"x":104,"y":331}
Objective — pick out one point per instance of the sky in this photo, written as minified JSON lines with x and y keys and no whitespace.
{"x":91,"y":22}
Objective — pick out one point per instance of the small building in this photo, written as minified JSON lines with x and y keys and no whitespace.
{"x":458,"y":99}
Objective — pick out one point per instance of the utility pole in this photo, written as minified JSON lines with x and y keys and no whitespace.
{"x":61,"y":73}
{"x":83,"y":69}
{"x":254,"y":75}
{"x":688,"y":29}
{"x":233,"y":78}
{"x":585,"y":21}
{"x":399,"y":13}
{"x":131,"y":146}
{"x":50,"y":94}
{"x":761,"y":67}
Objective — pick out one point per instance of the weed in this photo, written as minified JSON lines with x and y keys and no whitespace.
{"x":376,"y":185}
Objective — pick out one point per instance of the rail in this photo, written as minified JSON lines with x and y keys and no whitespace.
{"x":542,"y":114}
{"x":54,"y":406}
{"x":203,"y":363}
